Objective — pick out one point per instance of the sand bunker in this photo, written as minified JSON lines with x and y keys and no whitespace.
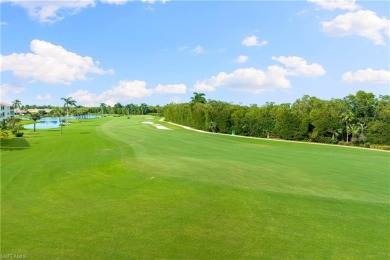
{"x":156,"y":125}
{"x":161,"y":127}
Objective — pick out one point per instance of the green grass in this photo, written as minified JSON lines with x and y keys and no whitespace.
{"x":114,"y":188}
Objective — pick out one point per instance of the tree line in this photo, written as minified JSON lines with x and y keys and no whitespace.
{"x":361,"y":119}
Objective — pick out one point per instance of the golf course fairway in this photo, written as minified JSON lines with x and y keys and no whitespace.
{"x":119,"y":188}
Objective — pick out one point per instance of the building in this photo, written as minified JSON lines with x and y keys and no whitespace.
{"x":6,"y":111}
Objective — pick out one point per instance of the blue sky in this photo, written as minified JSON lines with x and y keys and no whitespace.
{"x":157,"y":52}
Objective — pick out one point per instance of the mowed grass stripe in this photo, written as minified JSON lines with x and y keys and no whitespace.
{"x":117,"y":188}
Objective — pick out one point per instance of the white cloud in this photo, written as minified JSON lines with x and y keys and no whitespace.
{"x":253,"y":41}
{"x":6,"y":89}
{"x":246,"y":80}
{"x":364,"y":23}
{"x":52,"y":11}
{"x":242,"y":59}
{"x":55,"y":10}
{"x":171,"y":89}
{"x":154,"y":1}
{"x":336,"y":4}
{"x":298,"y":66}
{"x":367,"y":76}
{"x":206,"y":85}
{"x":3,"y":23}
{"x":46,"y":97}
{"x":256,"y":81}
{"x":116,"y":2}
{"x":198,"y":49}
{"x":85,"y":97}
{"x":125,"y":91}
{"x":50,"y":64}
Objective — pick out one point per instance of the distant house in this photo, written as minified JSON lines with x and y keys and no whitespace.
{"x":6,"y":111}
{"x":22,"y":112}
{"x":39,"y":110}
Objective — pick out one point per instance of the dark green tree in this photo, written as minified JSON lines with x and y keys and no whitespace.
{"x":198,"y":98}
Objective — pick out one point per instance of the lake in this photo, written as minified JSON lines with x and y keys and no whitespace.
{"x":52,"y":122}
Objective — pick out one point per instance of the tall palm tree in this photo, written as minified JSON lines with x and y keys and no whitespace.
{"x":68,"y":102}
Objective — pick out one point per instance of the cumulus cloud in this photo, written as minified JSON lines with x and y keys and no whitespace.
{"x":52,"y":11}
{"x":46,"y":97}
{"x":336,"y":4}
{"x":6,"y":89}
{"x":364,"y":23}
{"x":367,"y":76}
{"x":256,"y":81}
{"x":124,"y":91}
{"x":85,"y":97}
{"x":242,"y":59}
{"x":50,"y":64}
{"x":246,"y":80}
{"x":251,"y":41}
{"x":198,"y":49}
{"x":298,"y":66}
{"x":171,"y":89}
{"x":127,"y":90}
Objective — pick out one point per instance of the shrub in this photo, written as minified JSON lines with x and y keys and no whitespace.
{"x":367,"y":145}
{"x":19,"y":134}
{"x":326,"y":140}
{"x":3,"y":134}
{"x":382,"y":147}
{"x":385,"y":147}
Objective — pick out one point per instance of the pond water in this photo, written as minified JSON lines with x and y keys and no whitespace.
{"x":52,"y":122}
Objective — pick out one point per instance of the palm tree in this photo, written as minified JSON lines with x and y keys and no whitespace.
{"x":355,"y":130}
{"x":68,"y":102}
{"x":17,"y":103}
{"x":347,"y":117}
{"x":103,"y":107}
{"x":198,"y":98}
{"x":35,"y":117}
